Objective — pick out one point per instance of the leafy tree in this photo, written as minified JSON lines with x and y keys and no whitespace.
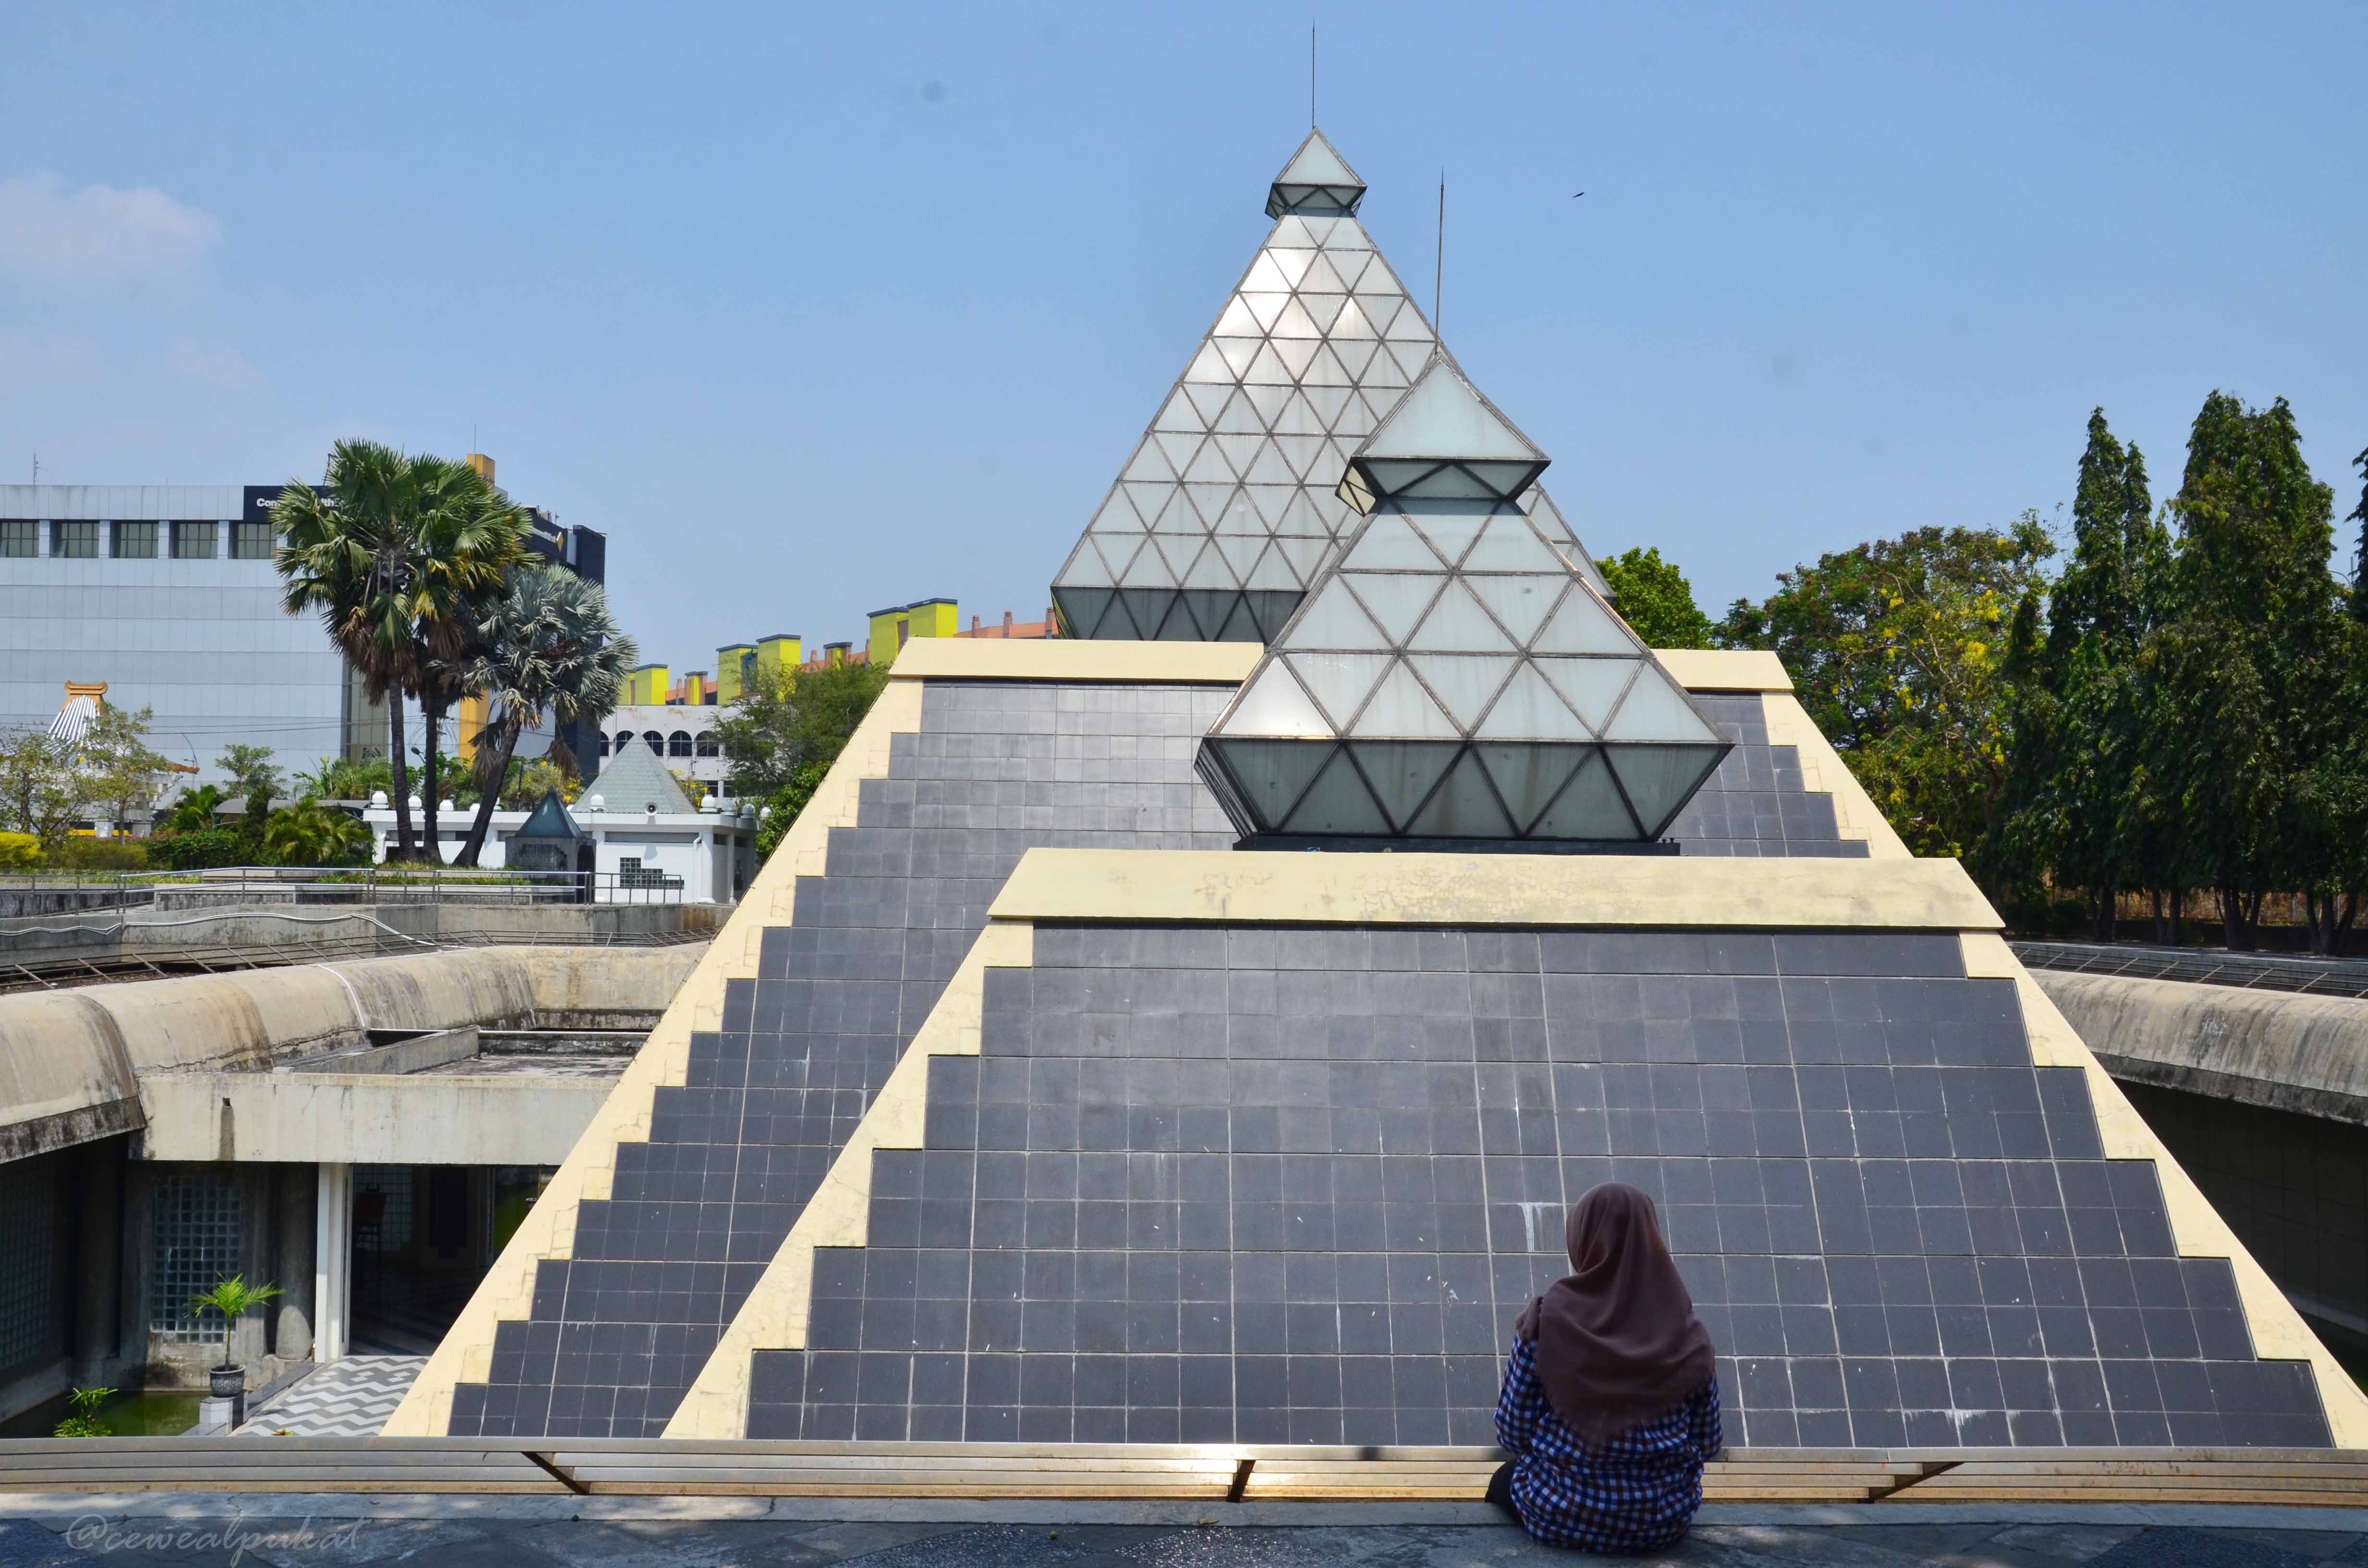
{"x":343,"y":779}
{"x":2076,"y":708}
{"x":782,"y":812}
{"x":310,"y":834}
{"x":120,"y":771}
{"x":393,"y":551}
{"x":1653,"y":597}
{"x":549,"y":645}
{"x":255,"y":773}
{"x":793,"y":718}
{"x":528,"y":781}
{"x":2359,"y":554}
{"x":2249,"y":666}
{"x":19,"y":852}
{"x":38,"y":790}
{"x":194,"y":810}
{"x":1898,"y":649}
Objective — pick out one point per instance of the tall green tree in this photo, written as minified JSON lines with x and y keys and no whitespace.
{"x":1653,"y":597}
{"x":2360,"y":552}
{"x":394,"y":551}
{"x":1898,"y":650}
{"x":793,"y":718}
{"x":2248,"y":665}
{"x":548,"y":645}
{"x":2069,"y":806}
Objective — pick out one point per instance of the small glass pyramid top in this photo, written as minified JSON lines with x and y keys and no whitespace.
{"x":1317,"y":179}
{"x":1453,"y":679}
{"x":1443,"y":439}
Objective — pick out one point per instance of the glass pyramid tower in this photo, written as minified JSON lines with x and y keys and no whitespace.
{"x":1225,"y":513}
{"x":1456,"y":677}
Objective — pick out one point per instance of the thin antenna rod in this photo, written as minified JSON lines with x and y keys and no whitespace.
{"x":1311,"y":75}
{"x":1439,"y":266}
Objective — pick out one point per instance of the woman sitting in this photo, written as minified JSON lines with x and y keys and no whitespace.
{"x":1610,"y":1393}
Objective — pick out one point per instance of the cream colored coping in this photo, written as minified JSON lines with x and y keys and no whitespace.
{"x":1491,"y":890}
{"x":466,"y":1351}
{"x":2279,"y":1332}
{"x":1725,"y":669}
{"x":1074,"y":659}
{"x":839,"y":1213}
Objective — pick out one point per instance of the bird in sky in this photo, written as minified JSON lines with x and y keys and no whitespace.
{"x":1577,"y":194}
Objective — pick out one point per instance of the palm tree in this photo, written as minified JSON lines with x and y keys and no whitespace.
{"x":394,"y":551}
{"x":549,"y":645}
{"x":471,"y":536}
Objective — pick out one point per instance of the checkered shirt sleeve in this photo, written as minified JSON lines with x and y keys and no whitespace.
{"x":1636,"y":1493}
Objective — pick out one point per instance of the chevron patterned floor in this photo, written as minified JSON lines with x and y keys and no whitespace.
{"x":351,"y":1398}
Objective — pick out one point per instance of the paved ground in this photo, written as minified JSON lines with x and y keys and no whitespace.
{"x":348,"y":1398}
{"x":532,"y":1538}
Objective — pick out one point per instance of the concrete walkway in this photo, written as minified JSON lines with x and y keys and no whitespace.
{"x":348,"y":1398}
{"x":453,"y":1532}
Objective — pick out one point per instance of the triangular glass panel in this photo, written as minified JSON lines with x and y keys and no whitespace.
{"x":1117,"y":517}
{"x":1531,"y":710}
{"x":1655,"y":709}
{"x":1660,"y":779}
{"x":1320,"y":278}
{"x":1146,"y":608}
{"x":1445,"y":417}
{"x":1457,"y":624}
{"x":1325,"y":370}
{"x":1086,"y":568}
{"x":1463,"y":682}
{"x":1239,"y":452}
{"x":1241,"y":624}
{"x":1149,"y":465}
{"x":1332,"y":618}
{"x":1396,"y":600}
{"x":1179,"y":448}
{"x":1338,"y":803}
{"x":1590,"y":686}
{"x":1149,"y":569}
{"x":1209,"y":399}
{"x":1400,"y":709}
{"x":1210,"y":499}
{"x":1272,"y":704}
{"x":1324,"y":405}
{"x":1081,"y":610}
{"x":1208,"y":366}
{"x":1178,"y":413}
{"x":1352,"y":323}
{"x":1268,"y":368}
{"x":1294,"y":322}
{"x":1387,"y":543}
{"x":1323,"y":309}
{"x":1450,"y":532}
{"x":1299,"y":417}
{"x":1271,"y":775}
{"x":1465,"y":806}
{"x":1265,"y":276}
{"x":1207,"y":610}
{"x":1241,"y":553}
{"x":1240,"y":515}
{"x":1584,"y":626}
{"x":1236,"y":320}
{"x":1208,"y":570}
{"x":1240,"y":417}
{"x":1296,"y":353}
{"x":1527,"y":775}
{"x":1262,"y":310}
{"x":1317,"y":161}
{"x":1589,"y":807}
{"x":1401,"y":773}
{"x":1356,"y":357}
{"x":1273,"y":572}
{"x":1510,"y":544}
{"x":1307,"y":556}
{"x":1269,"y":402}
{"x":1338,"y":682}
{"x":1519,"y":603}
{"x":1293,"y":262}
{"x":1240,"y":353}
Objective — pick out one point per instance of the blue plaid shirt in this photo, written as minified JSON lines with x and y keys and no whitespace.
{"x":1637,"y":1492}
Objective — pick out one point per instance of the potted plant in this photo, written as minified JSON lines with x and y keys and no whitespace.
{"x":234,"y":1298}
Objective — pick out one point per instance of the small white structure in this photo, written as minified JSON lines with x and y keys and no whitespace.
{"x":682,"y":735}
{"x":651,"y":844}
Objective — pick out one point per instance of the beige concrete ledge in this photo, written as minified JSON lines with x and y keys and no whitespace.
{"x":1491,"y":890}
{"x":2308,"y":1054}
{"x":1725,"y":669}
{"x":2279,"y":1332}
{"x":465,"y":1353}
{"x":1062,"y":658}
{"x":368,"y":1117}
{"x":1823,"y":771}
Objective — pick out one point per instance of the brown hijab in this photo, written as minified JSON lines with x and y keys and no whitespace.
{"x":1618,"y":1341}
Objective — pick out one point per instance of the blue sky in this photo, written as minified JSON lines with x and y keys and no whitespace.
{"x":819,"y":310}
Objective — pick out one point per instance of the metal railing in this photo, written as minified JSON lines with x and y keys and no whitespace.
{"x":359,"y":884}
{"x":2251,"y":971}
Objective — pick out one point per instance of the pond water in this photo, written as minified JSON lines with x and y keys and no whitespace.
{"x":162,"y":1415}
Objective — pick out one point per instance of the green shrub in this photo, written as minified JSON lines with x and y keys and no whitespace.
{"x":19,"y":852}
{"x":786,"y":804}
{"x":309,"y":833}
{"x":196,"y":851}
{"x":79,"y":854}
{"x":84,"y":1422}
